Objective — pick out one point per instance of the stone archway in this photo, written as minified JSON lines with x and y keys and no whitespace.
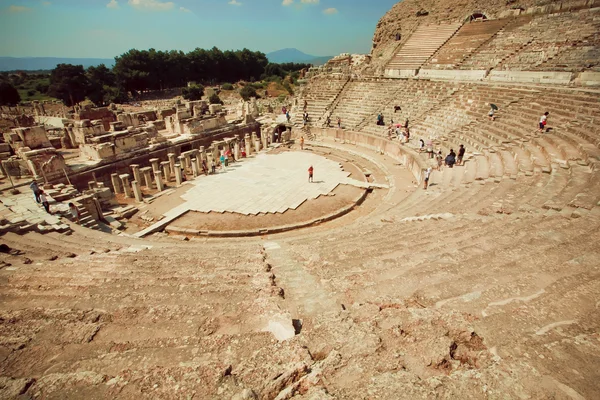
{"x":477,"y":16}
{"x":277,"y":133}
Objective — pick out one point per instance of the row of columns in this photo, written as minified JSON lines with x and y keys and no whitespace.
{"x":158,"y":173}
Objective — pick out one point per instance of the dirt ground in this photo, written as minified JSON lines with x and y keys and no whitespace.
{"x":341,"y":196}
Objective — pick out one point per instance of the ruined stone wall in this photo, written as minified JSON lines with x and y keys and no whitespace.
{"x":102,"y":113}
{"x":103,"y":172}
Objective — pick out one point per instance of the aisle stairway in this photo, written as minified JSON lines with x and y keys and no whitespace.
{"x":421,"y":45}
{"x":468,"y":39}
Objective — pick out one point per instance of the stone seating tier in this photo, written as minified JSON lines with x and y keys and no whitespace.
{"x":527,"y":43}
{"x":468,"y":39}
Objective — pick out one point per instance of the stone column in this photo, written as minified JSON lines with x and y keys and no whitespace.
{"x":195,"y":169}
{"x":172,"y":158}
{"x":166,"y":170}
{"x":215,"y":151}
{"x":92,"y":185}
{"x":159,"y":180}
{"x":126,"y":187}
{"x":147,"y":171}
{"x":182,"y":162}
{"x":155,"y":164}
{"x":257,"y":144}
{"x":263,"y":138}
{"x":137,"y":192}
{"x":248,"y":145}
{"x":236,"y":149}
{"x":196,"y":159}
{"x":136,"y":172}
{"x":178,"y":175}
{"x":116,"y":184}
{"x":202,"y":152}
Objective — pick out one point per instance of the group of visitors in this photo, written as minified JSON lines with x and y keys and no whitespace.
{"x":401,"y":132}
{"x":328,"y":122}
{"x":286,"y":112}
{"x":450,"y":161}
{"x":41,"y":198}
{"x":380,"y":119}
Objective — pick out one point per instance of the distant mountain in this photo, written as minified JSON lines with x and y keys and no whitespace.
{"x":296,"y":56}
{"x":45,"y":63}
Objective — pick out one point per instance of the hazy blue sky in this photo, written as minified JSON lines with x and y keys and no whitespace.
{"x":106,"y":28}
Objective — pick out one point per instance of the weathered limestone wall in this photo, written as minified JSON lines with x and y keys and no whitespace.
{"x":393,"y":149}
{"x":34,"y":137}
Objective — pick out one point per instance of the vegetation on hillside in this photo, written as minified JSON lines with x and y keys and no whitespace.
{"x":138,"y":71}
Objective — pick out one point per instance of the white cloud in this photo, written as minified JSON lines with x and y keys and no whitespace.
{"x":18,"y":9}
{"x":235,"y":3}
{"x":152,"y":5}
{"x":330,"y":11}
{"x":287,"y":2}
{"x":113,"y":4}
{"x":183,"y":9}
{"x":309,"y":1}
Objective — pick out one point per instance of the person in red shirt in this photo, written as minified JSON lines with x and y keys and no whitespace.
{"x":310,"y":173}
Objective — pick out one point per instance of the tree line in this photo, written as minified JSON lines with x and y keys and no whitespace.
{"x":139,"y":71}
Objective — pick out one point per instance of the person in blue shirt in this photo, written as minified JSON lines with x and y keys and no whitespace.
{"x":36,"y":191}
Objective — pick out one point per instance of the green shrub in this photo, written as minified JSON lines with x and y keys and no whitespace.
{"x":247,"y":92}
{"x":227,"y":86}
{"x":215,"y":99}
{"x":193,"y":93}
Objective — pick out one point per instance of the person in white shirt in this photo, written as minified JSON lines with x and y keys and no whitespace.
{"x":544,"y":121}
{"x":426,"y":180}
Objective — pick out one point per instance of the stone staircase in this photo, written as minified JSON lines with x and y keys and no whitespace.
{"x":422,"y":44}
{"x":319,"y":95}
{"x":467,"y":40}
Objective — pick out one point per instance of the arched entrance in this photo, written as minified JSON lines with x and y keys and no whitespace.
{"x":277,"y":134}
{"x":477,"y":16}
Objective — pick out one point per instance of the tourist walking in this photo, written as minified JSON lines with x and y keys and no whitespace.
{"x":213,"y":166}
{"x":544,"y":121}
{"x":339,"y":123}
{"x":305,"y":105}
{"x":287,"y":116}
{"x":426,"y":176}
{"x":440,"y":160}
{"x":310,"y":173}
{"x":44,"y":201}
{"x":36,"y":190}
{"x":461,"y":154}
{"x":301,"y":142}
{"x":74,"y":212}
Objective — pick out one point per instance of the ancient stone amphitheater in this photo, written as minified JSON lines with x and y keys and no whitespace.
{"x":485,"y":285}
